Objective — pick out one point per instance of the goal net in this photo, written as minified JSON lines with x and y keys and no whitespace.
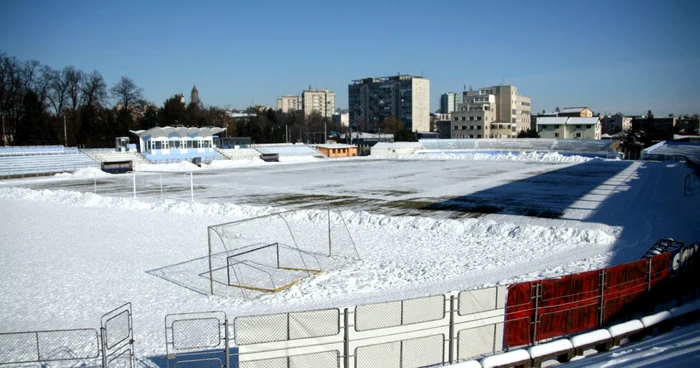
{"x":271,"y":253}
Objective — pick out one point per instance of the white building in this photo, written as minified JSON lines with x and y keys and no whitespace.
{"x":405,"y":97}
{"x":318,"y":100}
{"x":289,"y":103}
{"x":569,"y":127}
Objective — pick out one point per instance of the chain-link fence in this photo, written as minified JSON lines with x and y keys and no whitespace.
{"x":78,"y":345}
{"x":193,"y":336}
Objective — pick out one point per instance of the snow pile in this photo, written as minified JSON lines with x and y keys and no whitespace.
{"x":298,"y":159}
{"x":225,"y":164}
{"x":173,"y":167}
{"x":88,"y":172}
{"x":476,"y":155}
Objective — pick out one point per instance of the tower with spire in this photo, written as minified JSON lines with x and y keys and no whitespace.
{"x":194,"y":95}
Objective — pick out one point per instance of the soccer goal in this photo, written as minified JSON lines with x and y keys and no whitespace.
{"x":271,"y":253}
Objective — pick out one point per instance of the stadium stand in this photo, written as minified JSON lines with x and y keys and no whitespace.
{"x":675,"y":151}
{"x":111,"y":155}
{"x":288,"y":150}
{"x":42,"y":160}
{"x":239,"y":153}
{"x":174,"y":156}
{"x":448,"y":144}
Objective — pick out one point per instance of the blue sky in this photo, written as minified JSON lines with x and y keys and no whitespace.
{"x":611,"y":55}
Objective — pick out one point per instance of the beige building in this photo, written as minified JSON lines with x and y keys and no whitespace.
{"x":491,"y":112}
{"x":318,"y":100}
{"x":289,"y":103}
{"x":564,"y":127}
{"x":405,"y":97}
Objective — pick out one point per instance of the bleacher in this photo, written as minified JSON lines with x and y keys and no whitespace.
{"x":288,"y":150}
{"x":41,"y":160}
{"x":448,"y":144}
{"x":239,"y":153}
{"x":675,"y":151}
{"x":110,"y":155}
{"x":174,"y":156}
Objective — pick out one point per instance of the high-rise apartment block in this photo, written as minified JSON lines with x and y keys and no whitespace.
{"x":318,"y":100}
{"x":405,"y":97}
{"x":449,"y":102}
{"x":289,"y":103}
{"x":491,"y":112}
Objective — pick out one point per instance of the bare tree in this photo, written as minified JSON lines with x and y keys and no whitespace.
{"x":93,"y":90}
{"x":58,"y":91}
{"x":126,"y":92}
{"x":73,"y":79}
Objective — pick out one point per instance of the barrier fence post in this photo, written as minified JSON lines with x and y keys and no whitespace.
{"x":450,"y":349}
{"x":601,"y":308}
{"x":346,"y":339}
{"x":103,"y":346}
{"x":226,"y":341}
{"x":534,"y":327}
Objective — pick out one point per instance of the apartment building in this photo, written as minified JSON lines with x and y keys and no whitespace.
{"x":321,"y":101}
{"x":405,"y":97}
{"x":449,"y":102}
{"x":615,"y":124}
{"x":491,"y":112}
{"x":289,"y":103}
{"x":569,"y":127}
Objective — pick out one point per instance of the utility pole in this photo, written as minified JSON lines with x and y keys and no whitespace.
{"x":325,"y":133}
{"x":4,"y":136}
{"x":65,"y":134}
{"x":286,"y":134}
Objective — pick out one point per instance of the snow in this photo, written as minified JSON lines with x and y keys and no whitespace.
{"x":683,"y":309}
{"x":468,"y":364}
{"x":655,"y":319}
{"x":625,"y":328}
{"x":178,"y":166}
{"x":68,"y":255}
{"x":505,"y":358}
{"x":588,"y":338}
{"x":550,"y":348}
{"x":678,"y":348}
{"x":88,"y":172}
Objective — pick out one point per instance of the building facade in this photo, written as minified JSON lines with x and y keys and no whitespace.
{"x":564,"y":127}
{"x":449,"y":102}
{"x":342,"y":118}
{"x":615,"y":124}
{"x":405,"y":97}
{"x":491,"y":112}
{"x":321,"y":101}
{"x":289,"y":103}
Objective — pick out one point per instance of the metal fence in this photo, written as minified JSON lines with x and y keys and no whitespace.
{"x":112,"y":346}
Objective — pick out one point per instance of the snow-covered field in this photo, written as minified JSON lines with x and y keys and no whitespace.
{"x":422,"y":226}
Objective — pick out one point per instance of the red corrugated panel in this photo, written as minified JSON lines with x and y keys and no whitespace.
{"x":519,"y":313}
{"x":561,"y":302}
{"x":625,"y":285}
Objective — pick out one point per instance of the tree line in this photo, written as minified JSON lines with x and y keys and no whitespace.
{"x":40,"y":105}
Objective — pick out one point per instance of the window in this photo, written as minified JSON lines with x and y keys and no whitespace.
{"x":578,"y":127}
{"x":464,"y":127}
{"x":478,"y":135}
{"x":455,"y":127}
{"x":556,"y":127}
{"x":478,"y":118}
{"x":456,"y":118}
{"x":556,"y":135}
{"x":464,"y":118}
{"x":471,"y":118}
{"x":471,"y":135}
{"x":578,"y":135}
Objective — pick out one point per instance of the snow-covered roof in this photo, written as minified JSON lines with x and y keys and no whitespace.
{"x":336,"y":145}
{"x":563,"y":120}
{"x":168,"y":131}
{"x":570,"y":110}
{"x":551,"y":120}
{"x":582,"y":121}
